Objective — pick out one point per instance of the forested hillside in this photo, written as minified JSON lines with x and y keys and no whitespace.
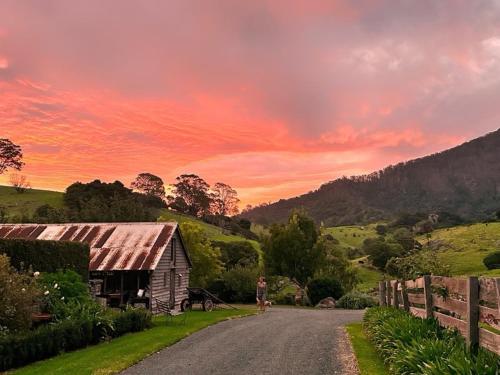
{"x":464,"y":180}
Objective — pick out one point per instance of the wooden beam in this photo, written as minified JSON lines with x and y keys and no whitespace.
{"x":428,"y":296}
{"x":395,"y":299}
{"x":121,"y":288}
{"x":406,"y":302}
{"x":388,"y":294}
{"x":381,"y":293}
{"x":472,"y":311}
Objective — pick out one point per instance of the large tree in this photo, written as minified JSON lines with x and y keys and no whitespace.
{"x":11,"y":155}
{"x":224,"y":200}
{"x":207,"y":265}
{"x":191,"y":195}
{"x":106,"y":202}
{"x":291,"y":249}
{"x":149,"y":184}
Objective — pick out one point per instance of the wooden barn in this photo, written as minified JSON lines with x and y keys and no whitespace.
{"x":130,"y":263}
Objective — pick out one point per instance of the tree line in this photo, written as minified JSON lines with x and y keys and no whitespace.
{"x":100,"y":201}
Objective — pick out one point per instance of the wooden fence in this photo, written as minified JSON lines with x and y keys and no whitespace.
{"x":472,"y":305}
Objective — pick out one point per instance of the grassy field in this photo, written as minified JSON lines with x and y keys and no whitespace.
{"x":123,"y":352}
{"x":213,"y":232}
{"x":464,"y":247}
{"x":352,"y":236}
{"x":26,"y":203}
{"x":368,"y":360}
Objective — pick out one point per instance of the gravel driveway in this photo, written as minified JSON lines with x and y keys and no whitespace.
{"x":280,"y":341}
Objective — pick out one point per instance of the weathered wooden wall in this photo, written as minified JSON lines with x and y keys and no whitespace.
{"x":471,"y":305}
{"x":160,"y":280}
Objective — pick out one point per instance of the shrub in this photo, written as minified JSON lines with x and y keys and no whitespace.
{"x":411,"y":345}
{"x":47,"y":341}
{"x":285,"y":299}
{"x":131,"y":320}
{"x":492,"y":261}
{"x":63,"y":291}
{"x":237,"y":253}
{"x":47,"y":256}
{"x":321,"y":288}
{"x":355,"y":301}
{"x":237,"y":285}
{"x":18,"y":290}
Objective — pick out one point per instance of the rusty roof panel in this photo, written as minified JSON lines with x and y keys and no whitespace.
{"x":69,"y":233}
{"x":113,"y":246}
{"x":100,"y":243}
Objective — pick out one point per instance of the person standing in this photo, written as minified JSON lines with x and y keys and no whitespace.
{"x":261,"y":293}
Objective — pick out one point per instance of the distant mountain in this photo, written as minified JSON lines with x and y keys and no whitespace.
{"x":464,"y":181}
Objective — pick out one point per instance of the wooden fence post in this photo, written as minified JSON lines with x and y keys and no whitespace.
{"x":381,"y":293}
{"x":472,"y":311}
{"x":388,"y":292}
{"x":406,"y":303}
{"x":428,"y":296}
{"x":395,"y":299}
{"x":497,"y":280}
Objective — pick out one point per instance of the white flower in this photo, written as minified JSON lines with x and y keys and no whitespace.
{"x":46,"y":293}
{"x":55,"y":286}
{"x":36,"y":274}
{"x":23,"y":290}
{"x":62,"y":298}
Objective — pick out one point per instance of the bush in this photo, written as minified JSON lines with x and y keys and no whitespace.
{"x":411,"y":345}
{"x":131,"y":320}
{"x":492,"y":261}
{"x":18,"y":290}
{"x":285,"y":299}
{"x":237,"y":253}
{"x":47,"y":256}
{"x":47,"y":341}
{"x":321,"y":288}
{"x":63,"y":290}
{"x":355,"y":301}
{"x":237,"y":285}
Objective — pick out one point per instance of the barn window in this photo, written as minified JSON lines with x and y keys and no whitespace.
{"x":172,"y":251}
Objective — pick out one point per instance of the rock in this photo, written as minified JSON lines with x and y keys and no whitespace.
{"x":326,"y":303}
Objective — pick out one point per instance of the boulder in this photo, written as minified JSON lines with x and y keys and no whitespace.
{"x":326,"y":303}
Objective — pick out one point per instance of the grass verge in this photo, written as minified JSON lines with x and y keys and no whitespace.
{"x":368,"y":360}
{"x":125,"y":351}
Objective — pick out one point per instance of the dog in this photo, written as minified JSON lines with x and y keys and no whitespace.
{"x":268,"y":304}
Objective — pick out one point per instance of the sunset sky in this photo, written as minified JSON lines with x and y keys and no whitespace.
{"x":271,"y":97}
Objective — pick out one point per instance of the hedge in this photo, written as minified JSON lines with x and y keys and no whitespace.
{"x":21,"y":349}
{"x":47,"y":256}
{"x":411,"y":345}
{"x":492,"y":261}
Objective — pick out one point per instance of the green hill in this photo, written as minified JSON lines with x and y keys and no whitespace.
{"x":213,"y":232}
{"x":464,"y":247}
{"x":26,"y":203}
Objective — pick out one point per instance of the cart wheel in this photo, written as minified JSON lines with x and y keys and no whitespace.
{"x":208,"y":305}
{"x":185,"y":305}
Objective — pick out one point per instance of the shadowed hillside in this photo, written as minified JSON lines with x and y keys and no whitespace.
{"x":464,"y":180}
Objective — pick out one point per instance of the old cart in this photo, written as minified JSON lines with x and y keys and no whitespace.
{"x":203,"y":297}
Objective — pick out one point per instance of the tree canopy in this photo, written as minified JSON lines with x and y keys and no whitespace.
{"x":191,"y":195}
{"x":207,"y":265}
{"x":11,"y":155}
{"x":224,"y":200}
{"x":149,"y":184}
{"x":290,"y":249}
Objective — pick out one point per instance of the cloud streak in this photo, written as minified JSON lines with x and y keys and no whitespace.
{"x":271,"y":97}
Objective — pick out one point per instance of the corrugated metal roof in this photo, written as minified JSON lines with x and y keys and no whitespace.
{"x":113,"y":246}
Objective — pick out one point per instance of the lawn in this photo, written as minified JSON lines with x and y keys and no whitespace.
{"x":28,"y":202}
{"x":368,"y":360}
{"x":464,"y":247}
{"x":121,"y":353}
